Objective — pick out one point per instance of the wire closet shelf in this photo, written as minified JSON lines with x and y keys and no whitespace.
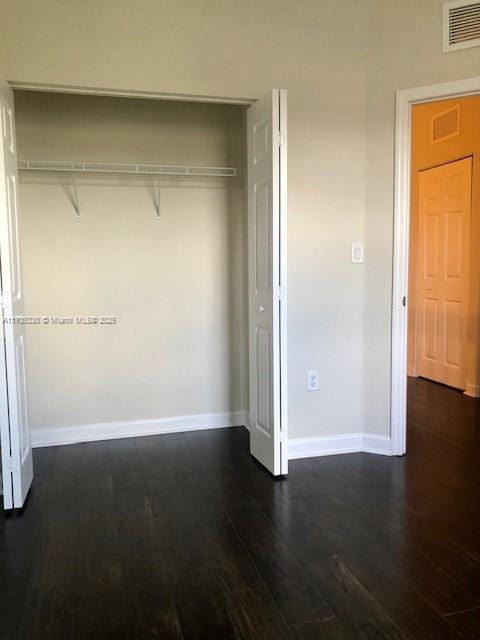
{"x":130,"y":169}
{"x":152,"y":170}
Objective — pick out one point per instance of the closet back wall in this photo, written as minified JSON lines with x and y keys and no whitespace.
{"x":176,"y":285}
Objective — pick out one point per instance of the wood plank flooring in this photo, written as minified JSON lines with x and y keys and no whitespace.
{"x":185,"y":537}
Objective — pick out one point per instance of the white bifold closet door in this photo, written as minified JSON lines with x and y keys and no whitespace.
{"x":267,"y":212}
{"x":17,"y":467}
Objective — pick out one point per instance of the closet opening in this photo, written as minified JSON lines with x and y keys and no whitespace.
{"x":139,"y":280}
{"x":129,"y":253}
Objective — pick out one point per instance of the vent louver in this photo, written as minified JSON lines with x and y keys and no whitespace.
{"x":461,"y":25}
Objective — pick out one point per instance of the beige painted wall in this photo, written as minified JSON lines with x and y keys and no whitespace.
{"x":315,"y":50}
{"x":177,"y":285}
{"x":405,"y":51}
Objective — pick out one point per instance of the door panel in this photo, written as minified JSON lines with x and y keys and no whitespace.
{"x":267,"y":299}
{"x":17,"y":465}
{"x":262,"y":238}
{"x":443,"y":246}
{"x":431,"y":245}
{"x":453,"y":245}
{"x":453,"y":333}
{"x":264,"y":378}
{"x":431,"y":324}
{"x":13,"y":237}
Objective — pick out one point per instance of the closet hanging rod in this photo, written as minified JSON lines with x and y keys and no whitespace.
{"x":131,"y":169}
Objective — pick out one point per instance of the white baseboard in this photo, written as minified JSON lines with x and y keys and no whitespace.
{"x":372,"y":443}
{"x":297,"y":447}
{"x":472,"y":390}
{"x":324,"y":446}
{"x":334,"y":445}
{"x":111,"y":430}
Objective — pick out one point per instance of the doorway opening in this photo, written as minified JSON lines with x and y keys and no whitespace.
{"x":444,"y":263}
{"x":444,"y":272}
{"x":436,"y":283}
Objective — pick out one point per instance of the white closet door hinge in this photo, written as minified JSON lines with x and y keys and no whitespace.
{"x":281,"y":293}
{"x":11,"y":465}
{"x":281,"y":139}
{"x":2,"y":301}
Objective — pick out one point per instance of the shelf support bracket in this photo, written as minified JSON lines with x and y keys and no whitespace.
{"x":157,"y":198}
{"x":76,"y":203}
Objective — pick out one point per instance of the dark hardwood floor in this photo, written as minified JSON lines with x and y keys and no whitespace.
{"x":186,"y":537}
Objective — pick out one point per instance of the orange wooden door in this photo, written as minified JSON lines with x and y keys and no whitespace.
{"x":443,"y":264}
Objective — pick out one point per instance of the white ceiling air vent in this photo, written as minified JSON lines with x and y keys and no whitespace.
{"x":461,"y":25}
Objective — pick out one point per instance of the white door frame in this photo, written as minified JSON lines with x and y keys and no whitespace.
{"x":405,"y":99}
{"x":125,"y":93}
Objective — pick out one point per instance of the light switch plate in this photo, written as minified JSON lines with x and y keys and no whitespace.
{"x":313,"y":382}
{"x":357,"y":252}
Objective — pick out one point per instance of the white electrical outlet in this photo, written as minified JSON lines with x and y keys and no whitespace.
{"x":313,"y":383}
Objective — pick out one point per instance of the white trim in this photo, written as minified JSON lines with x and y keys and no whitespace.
{"x":335,"y":445}
{"x":47,"y":437}
{"x":400,"y":276}
{"x":472,"y":390}
{"x":283,"y":289}
{"x":404,"y":101}
{"x":381,"y":445}
{"x":125,"y":93}
{"x":297,"y":447}
{"x":324,"y":446}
